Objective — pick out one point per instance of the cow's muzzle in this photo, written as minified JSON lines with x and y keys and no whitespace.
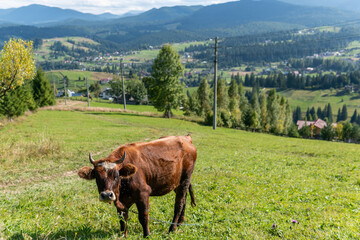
{"x":107,"y":196}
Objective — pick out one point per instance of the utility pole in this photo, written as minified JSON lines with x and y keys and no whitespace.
{"x":87,"y":91}
{"x":123,"y":84}
{"x":215,"y":84}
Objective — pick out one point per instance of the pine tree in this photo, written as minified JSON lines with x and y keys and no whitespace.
{"x":319,"y":113}
{"x":308,"y":115}
{"x":243,"y":99}
{"x":344,"y":113}
{"x":327,"y":133}
{"x":263,"y":113}
{"x":274,"y":111}
{"x":297,"y":114}
{"x":288,"y":118}
{"x":255,"y":100}
{"x":339,"y":117}
{"x":42,"y":92}
{"x":329,"y":113}
{"x":203,"y":97}
{"x":354,"y":117}
{"x":234,"y":96}
{"x":222,"y":95}
{"x":191,"y":104}
{"x":16,"y":102}
{"x":313,"y":114}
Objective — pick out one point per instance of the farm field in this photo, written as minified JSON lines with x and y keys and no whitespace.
{"x":320,"y":98}
{"x":247,"y":185}
{"x":74,"y":83}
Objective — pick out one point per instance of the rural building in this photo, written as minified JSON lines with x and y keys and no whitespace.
{"x":105,"y":80}
{"x":315,"y":125}
{"x":105,"y":93}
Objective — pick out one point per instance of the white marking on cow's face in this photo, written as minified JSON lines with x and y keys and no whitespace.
{"x":107,"y":165}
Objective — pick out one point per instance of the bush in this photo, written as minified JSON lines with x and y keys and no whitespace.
{"x":292,"y":131}
{"x":327,"y":133}
{"x":305,"y":132}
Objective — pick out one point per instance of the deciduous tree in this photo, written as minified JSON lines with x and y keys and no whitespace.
{"x":165,"y":89}
{"x":17,"y":64}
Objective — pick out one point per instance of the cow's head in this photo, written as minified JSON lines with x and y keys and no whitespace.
{"x":108,"y":175}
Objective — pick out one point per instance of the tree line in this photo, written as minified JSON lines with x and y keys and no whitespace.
{"x":301,"y":81}
{"x":338,"y":65}
{"x":255,"y":111}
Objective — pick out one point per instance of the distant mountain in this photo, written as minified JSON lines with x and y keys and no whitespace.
{"x":170,"y":24}
{"x":351,"y":5}
{"x":38,"y":14}
{"x":131,"y":13}
{"x":232,"y":14}
{"x":164,"y":14}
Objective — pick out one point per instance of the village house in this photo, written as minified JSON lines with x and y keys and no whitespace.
{"x":105,"y":80}
{"x":316,"y":126}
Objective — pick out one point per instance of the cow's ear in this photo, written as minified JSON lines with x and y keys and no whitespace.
{"x":86,"y":173}
{"x":127,"y":170}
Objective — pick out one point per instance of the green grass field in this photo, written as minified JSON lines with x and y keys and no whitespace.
{"x":320,"y":98}
{"x":247,"y":185}
{"x":74,"y":83}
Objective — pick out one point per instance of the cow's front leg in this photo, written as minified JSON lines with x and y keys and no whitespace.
{"x":143,"y":209}
{"x":123,"y":214}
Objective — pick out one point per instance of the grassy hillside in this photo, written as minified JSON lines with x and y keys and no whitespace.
{"x":247,"y":185}
{"x":43,"y":53}
{"x":320,"y":98}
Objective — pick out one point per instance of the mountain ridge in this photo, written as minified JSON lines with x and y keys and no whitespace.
{"x":36,"y":14}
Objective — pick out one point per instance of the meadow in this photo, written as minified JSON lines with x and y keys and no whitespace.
{"x":247,"y":185}
{"x":319,"y":98}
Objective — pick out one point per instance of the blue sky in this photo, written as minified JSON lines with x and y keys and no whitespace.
{"x":101,"y":6}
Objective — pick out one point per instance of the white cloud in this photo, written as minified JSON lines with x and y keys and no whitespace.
{"x":101,"y":6}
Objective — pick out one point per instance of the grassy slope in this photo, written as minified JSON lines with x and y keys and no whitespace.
{"x":244,"y":182}
{"x":320,"y":98}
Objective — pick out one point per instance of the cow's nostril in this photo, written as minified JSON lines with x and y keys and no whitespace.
{"x":110,"y":194}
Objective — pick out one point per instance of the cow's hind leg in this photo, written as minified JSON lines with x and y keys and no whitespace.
{"x":179,"y":210}
{"x":182,"y":214}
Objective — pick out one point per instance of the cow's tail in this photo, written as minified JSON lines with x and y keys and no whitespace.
{"x":193,"y":204}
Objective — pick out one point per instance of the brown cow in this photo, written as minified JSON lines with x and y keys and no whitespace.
{"x":134,"y":172}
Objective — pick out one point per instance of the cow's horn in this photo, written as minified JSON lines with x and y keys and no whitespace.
{"x":91,"y":159}
{"x":121,"y":159}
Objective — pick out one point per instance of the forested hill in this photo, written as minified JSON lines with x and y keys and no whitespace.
{"x":182,"y":23}
{"x":273,"y":47}
{"x":237,"y":13}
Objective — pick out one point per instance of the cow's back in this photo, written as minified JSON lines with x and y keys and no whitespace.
{"x":162,"y":163}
